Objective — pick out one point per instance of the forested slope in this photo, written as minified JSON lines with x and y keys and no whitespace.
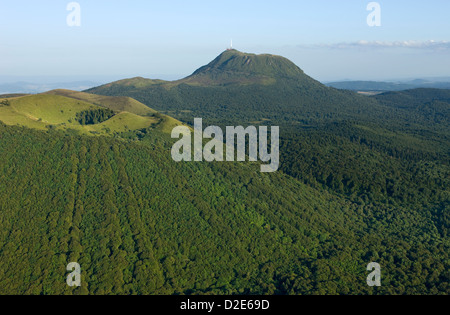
{"x":138,"y":222}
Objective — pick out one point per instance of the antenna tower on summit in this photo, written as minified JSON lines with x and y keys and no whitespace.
{"x":231,"y":46}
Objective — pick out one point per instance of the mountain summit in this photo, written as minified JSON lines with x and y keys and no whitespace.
{"x":233,"y":66}
{"x":245,"y":88}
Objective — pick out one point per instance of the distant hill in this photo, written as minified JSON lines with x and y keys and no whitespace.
{"x":238,"y":87}
{"x":415,"y":97}
{"x":431,"y":105}
{"x":374,"y":86}
{"x":36,"y":87}
{"x":12,"y":95}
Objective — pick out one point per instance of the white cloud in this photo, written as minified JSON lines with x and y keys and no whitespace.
{"x":409,"y":44}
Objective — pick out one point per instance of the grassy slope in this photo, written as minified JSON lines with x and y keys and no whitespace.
{"x":126,"y":104}
{"x":38,"y":111}
{"x":59,"y":108}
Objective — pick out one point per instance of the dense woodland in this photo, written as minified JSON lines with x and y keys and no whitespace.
{"x":94,"y":116}
{"x":138,"y":223}
{"x":358,"y":163}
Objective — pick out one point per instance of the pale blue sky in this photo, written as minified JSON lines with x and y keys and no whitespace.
{"x":329,"y":39}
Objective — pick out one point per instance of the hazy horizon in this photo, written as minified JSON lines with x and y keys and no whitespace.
{"x":103,"y":79}
{"x":330,"y":41}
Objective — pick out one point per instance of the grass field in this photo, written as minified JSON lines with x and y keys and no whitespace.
{"x":58,"y":110}
{"x":122,"y":104}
